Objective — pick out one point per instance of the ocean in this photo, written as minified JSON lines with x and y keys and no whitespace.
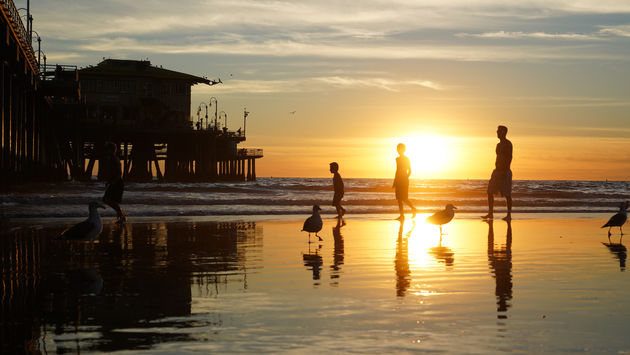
{"x":295,"y":196}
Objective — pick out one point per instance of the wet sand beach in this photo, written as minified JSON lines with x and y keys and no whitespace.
{"x":543,"y":283}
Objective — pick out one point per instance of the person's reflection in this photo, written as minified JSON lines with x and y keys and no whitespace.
{"x":401,"y":262}
{"x":500,"y":262}
{"x":335,"y":268}
{"x":443,"y":254}
{"x":313,"y":261}
{"x":620,"y":252}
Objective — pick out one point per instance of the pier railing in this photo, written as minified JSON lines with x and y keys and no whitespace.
{"x":59,"y":71}
{"x":250,"y":153}
{"x":12,"y":15}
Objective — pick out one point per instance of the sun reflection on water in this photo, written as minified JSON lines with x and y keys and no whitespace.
{"x":424,"y":243}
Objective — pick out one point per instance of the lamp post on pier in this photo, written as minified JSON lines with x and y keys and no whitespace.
{"x":39,"y":50}
{"x":29,"y":20}
{"x":245,"y":114}
{"x":198,"y":112}
{"x":225,"y":122}
{"x":200,"y":124}
{"x":216,"y":104}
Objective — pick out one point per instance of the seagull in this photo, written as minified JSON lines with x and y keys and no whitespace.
{"x":313,"y":224}
{"x":619,"y":219}
{"x":86,"y":230}
{"x":442,"y":217}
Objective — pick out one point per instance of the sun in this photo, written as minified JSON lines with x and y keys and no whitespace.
{"x":429,"y":155}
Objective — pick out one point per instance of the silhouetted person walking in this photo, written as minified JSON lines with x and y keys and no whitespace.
{"x":338,"y":186}
{"x":501,"y":180}
{"x":401,"y":181}
{"x":113,"y":181}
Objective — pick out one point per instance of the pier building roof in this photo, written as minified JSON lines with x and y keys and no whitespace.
{"x":139,"y":68}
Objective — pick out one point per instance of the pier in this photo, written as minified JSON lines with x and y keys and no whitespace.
{"x":57,"y":118}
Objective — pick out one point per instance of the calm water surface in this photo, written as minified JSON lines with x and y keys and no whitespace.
{"x":373,"y":285}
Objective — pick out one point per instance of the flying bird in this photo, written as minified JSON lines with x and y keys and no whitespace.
{"x":442,"y":217}
{"x":313,"y":224}
{"x":618,"y":219}
{"x":88,"y":229}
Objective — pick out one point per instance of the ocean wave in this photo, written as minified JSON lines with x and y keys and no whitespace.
{"x":295,"y":196}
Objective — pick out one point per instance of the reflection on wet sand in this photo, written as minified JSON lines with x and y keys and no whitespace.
{"x":313,"y":261}
{"x":443,"y":254}
{"x":620,"y":252}
{"x":129,"y":279}
{"x":500,"y":262}
{"x":401,"y":261}
{"x":338,"y":251}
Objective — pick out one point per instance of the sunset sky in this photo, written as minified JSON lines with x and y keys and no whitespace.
{"x":362,"y":76}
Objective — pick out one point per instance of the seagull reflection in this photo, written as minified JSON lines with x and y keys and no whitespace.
{"x":443,"y":254}
{"x":401,"y":262}
{"x":313,"y":261}
{"x":85,"y":281}
{"x":500,"y":262}
{"x":620,"y":252}
{"x":335,"y":268}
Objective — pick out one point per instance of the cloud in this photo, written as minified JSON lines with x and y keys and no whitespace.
{"x":373,"y":19}
{"x":255,"y":87}
{"x":365,"y":51}
{"x":535,"y":35}
{"x":313,"y":84}
{"x":621,"y":30}
{"x":387,"y":30}
{"x":385,"y":84}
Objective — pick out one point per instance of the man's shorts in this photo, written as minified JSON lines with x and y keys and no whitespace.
{"x":500,"y":183}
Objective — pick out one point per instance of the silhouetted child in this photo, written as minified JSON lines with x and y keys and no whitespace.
{"x":401,"y":181}
{"x":338,"y":186}
{"x":113,"y":180}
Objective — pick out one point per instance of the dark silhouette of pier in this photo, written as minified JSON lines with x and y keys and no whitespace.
{"x":55,"y":120}
{"x":24,"y":131}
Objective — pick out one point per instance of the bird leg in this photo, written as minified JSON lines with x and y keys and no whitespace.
{"x":621,"y":230}
{"x":609,"y":232}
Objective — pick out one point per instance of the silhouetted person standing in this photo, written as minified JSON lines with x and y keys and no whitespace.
{"x":338,"y":186}
{"x":501,"y":180}
{"x":401,"y":181}
{"x":113,"y":181}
